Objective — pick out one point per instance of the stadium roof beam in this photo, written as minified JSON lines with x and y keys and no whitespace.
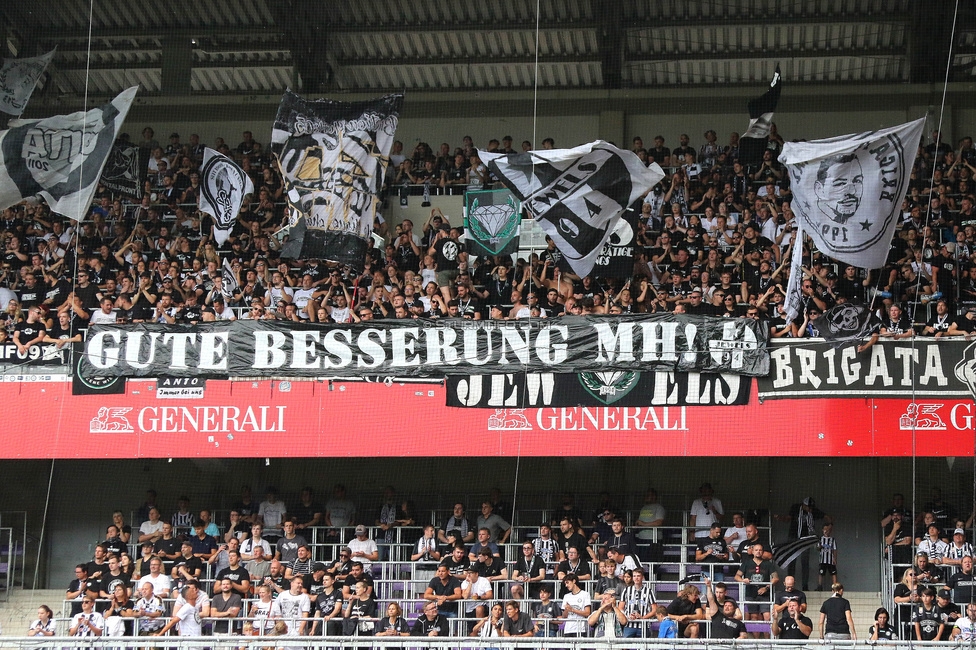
{"x":773,"y":55}
{"x":303,"y":27}
{"x":610,"y":40}
{"x":485,"y":59}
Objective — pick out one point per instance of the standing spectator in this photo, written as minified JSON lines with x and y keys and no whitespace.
{"x":271,"y":513}
{"x":499,"y":529}
{"x":150,"y":610}
{"x":836,"y":621}
{"x":189,"y":609}
{"x":962,"y":582}
{"x":362,"y":549}
{"x":801,"y":519}
{"x":714,"y":551}
{"x":576,"y":608}
{"x":705,"y":511}
{"x":457,"y":521}
{"x":293,"y":606}
{"x":760,"y":576}
{"x":926,"y":618}
{"x":828,"y":556}
{"x":724,"y":624}
{"x":638,"y":604}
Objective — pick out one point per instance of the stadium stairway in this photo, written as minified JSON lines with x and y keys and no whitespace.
{"x":863,"y":606}
{"x":20,"y":609}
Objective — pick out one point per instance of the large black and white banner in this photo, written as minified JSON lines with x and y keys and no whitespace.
{"x":577,"y":195}
{"x":223,"y":186}
{"x":601,"y":388}
{"x":753,"y":142}
{"x":246,"y":348}
{"x":847,"y":194}
{"x":333,"y":158}
{"x":60,"y":158}
{"x":125,"y":170}
{"x":18,"y":78}
{"x":921,"y":368}
{"x":616,"y":260}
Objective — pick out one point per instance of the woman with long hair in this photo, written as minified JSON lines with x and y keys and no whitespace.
{"x":490,"y":625}
{"x":44,"y":624}
{"x":119,"y":608}
{"x":882,"y":629}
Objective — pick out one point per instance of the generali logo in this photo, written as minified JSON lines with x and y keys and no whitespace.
{"x":582,"y":418}
{"x":922,"y":416}
{"x":111,"y":419}
{"x":189,"y":419}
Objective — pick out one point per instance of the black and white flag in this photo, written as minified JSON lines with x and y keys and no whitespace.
{"x":223,"y":186}
{"x":753,"y":142}
{"x":333,"y":158}
{"x":18,"y":77}
{"x":60,"y":158}
{"x":125,"y":170}
{"x":785,"y":554}
{"x":577,"y":195}
{"x":847,"y":322}
{"x":847,"y":194}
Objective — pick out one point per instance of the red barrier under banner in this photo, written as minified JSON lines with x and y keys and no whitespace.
{"x":351,"y":419}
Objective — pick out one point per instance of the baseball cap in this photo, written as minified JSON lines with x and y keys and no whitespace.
{"x":808,"y":501}
{"x":944,"y":593}
{"x":959,"y":531}
{"x":360,"y":529}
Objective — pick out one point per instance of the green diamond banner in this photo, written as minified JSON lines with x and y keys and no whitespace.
{"x":492,"y":222}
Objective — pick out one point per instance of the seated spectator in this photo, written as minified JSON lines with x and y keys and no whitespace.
{"x":962,"y":582}
{"x":684,"y":610}
{"x":363,"y":549}
{"x":444,"y":590}
{"x":361,"y":612}
{"x":490,"y":567}
{"x":80,"y":587}
{"x":484,"y":542}
{"x":88,"y":622}
{"x":161,"y":583}
{"x":516,"y":623}
{"x":491,"y":625}
{"x":576,"y":607}
{"x":475,"y":590}
{"x":394,"y":624}
{"x":431,"y":622}
{"x":795,"y":625}
{"x":457,"y":562}
{"x":529,"y":571}
{"x":457,"y":521}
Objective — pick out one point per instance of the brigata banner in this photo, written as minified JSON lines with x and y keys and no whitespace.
{"x":615,"y":387}
{"x":904,"y":368}
{"x":428,"y":348}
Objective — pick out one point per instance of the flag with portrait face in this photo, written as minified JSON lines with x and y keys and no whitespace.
{"x":577,"y":195}
{"x":847,"y":194}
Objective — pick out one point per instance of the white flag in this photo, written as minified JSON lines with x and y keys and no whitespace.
{"x":18,"y":77}
{"x":847,"y":191}
{"x":577,"y":195}
{"x":60,"y":158}
{"x":847,"y":194}
{"x":223,"y":187}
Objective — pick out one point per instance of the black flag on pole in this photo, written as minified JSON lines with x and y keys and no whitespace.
{"x":753,"y":142}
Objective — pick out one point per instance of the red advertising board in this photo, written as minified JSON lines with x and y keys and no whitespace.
{"x":354,"y":419}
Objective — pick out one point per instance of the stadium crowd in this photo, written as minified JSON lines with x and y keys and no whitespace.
{"x":314,"y":568}
{"x":714,"y":238}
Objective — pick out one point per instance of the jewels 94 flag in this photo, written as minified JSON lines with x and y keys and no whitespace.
{"x":18,"y":77}
{"x":493,"y":219}
{"x":223,"y":186}
{"x":577,"y":195}
{"x":333,"y":157}
{"x":60,"y":158}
